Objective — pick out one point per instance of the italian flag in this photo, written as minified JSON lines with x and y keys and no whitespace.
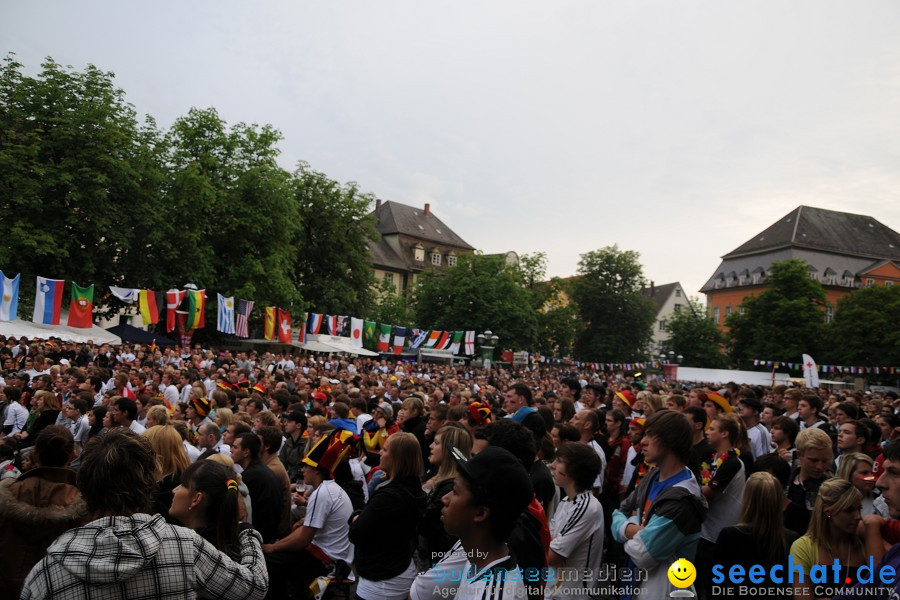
{"x":384,"y":337}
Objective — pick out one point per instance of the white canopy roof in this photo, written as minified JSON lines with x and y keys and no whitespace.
{"x":18,"y":328}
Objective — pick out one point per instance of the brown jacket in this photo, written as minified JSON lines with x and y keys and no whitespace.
{"x":34,"y":510}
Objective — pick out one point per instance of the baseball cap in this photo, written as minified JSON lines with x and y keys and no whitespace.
{"x":496,"y":472}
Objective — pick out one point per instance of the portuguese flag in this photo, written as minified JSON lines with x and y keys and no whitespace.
{"x":81,"y":307}
{"x":196,"y":304}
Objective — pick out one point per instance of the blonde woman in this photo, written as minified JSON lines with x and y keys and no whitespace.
{"x":224,"y":418}
{"x":157,"y":415}
{"x":858,"y":469}
{"x":171,"y":460}
{"x":759,"y":536}
{"x":44,"y":411}
{"x":434,"y":541}
{"x":832,"y":534}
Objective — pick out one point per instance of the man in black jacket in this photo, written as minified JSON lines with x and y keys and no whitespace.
{"x":265,"y":488}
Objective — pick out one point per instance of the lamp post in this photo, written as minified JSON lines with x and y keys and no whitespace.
{"x":488,"y":341}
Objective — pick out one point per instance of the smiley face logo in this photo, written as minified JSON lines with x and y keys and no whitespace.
{"x":682,"y":573}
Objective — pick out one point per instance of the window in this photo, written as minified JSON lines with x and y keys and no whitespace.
{"x":451,"y":260}
{"x":888,"y":283}
{"x":678,"y":292}
{"x":718,"y":284}
{"x":677,"y":308}
{"x":743,"y":280}
{"x":716,"y":318}
{"x":727,"y":311}
{"x":813,"y":276}
{"x":742,"y":310}
{"x":829,"y":313}
{"x":389,"y":277}
{"x":436,"y":258}
{"x":831,"y":280}
{"x":870,"y":282}
{"x":662,"y":324}
{"x":755,"y":277}
{"x":419,"y":253}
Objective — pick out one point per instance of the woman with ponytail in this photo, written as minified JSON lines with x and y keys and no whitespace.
{"x":207,"y":502}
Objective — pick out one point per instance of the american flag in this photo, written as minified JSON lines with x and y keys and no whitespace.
{"x":242,"y":314}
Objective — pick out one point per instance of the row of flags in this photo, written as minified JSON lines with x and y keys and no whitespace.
{"x":185,"y":310}
{"x":383,"y":337}
{"x":840,"y":369}
{"x":48,"y":301}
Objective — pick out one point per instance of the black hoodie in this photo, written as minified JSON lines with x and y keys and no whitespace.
{"x":386,"y":531}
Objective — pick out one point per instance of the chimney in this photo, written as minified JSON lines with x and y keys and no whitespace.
{"x":427,"y":209}
{"x":377,"y":203}
{"x":652,"y":289}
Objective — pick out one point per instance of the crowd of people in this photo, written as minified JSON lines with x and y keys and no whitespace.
{"x":139,"y":472}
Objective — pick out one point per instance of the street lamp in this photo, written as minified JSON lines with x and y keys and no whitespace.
{"x":487,"y":351}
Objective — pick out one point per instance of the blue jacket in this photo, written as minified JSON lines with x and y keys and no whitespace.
{"x":671,"y":529}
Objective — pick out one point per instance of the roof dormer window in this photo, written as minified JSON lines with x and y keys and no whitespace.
{"x":451,"y":259}
{"x":419,"y":252}
{"x":436,"y":258}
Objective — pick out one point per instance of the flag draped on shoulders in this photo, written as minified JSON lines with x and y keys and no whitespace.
{"x":284,"y":326}
{"x":48,"y":301}
{"x":384,"y":337}
{"x":269,"y":328}
{"x":9,"y":297}
{"x":225,"y":319}
{"x":81,"y":307}
{"x":150,"y":303}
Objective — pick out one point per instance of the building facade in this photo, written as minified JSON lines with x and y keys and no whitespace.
{"x":843,"y":251}
{"x":669,"y":299}
{"x":411,"y":239}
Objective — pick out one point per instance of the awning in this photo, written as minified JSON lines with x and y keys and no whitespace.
{"x":19,"y":328}
{"x":333,"y":343}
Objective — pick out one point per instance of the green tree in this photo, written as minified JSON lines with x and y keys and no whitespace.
{"x":864,"y":331}
{"x":391,"y":306}
{"x":784,"y":321}
{"x":617,"y":317}
{"x":81,"y":178}
{"x":332,"y":263}
{"x":480,"y":292}
{"x":695,"y":336}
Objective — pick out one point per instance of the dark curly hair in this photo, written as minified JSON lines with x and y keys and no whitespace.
{"x":118,"y":473}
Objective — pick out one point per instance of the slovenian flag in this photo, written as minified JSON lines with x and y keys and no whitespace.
{"x":9,"y":297}
{"x":315,"y":323}
{"x":48,"y":301}
{"x":81,"y":307}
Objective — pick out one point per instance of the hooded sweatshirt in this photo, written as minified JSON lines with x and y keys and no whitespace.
{"x":142,"y":557}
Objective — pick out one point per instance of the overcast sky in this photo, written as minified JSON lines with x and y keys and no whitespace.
{"x":676,"y":129}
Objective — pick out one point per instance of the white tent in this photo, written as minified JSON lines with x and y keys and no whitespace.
{"x":19,"y":328}
{"x":333,"y":343}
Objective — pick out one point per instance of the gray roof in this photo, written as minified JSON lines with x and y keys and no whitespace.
{"x":412,"y":221}
{"x":660,"y":293}
{"x":383,"y":255}
{"x":828,"y":230}
{"x":829,"y":241}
